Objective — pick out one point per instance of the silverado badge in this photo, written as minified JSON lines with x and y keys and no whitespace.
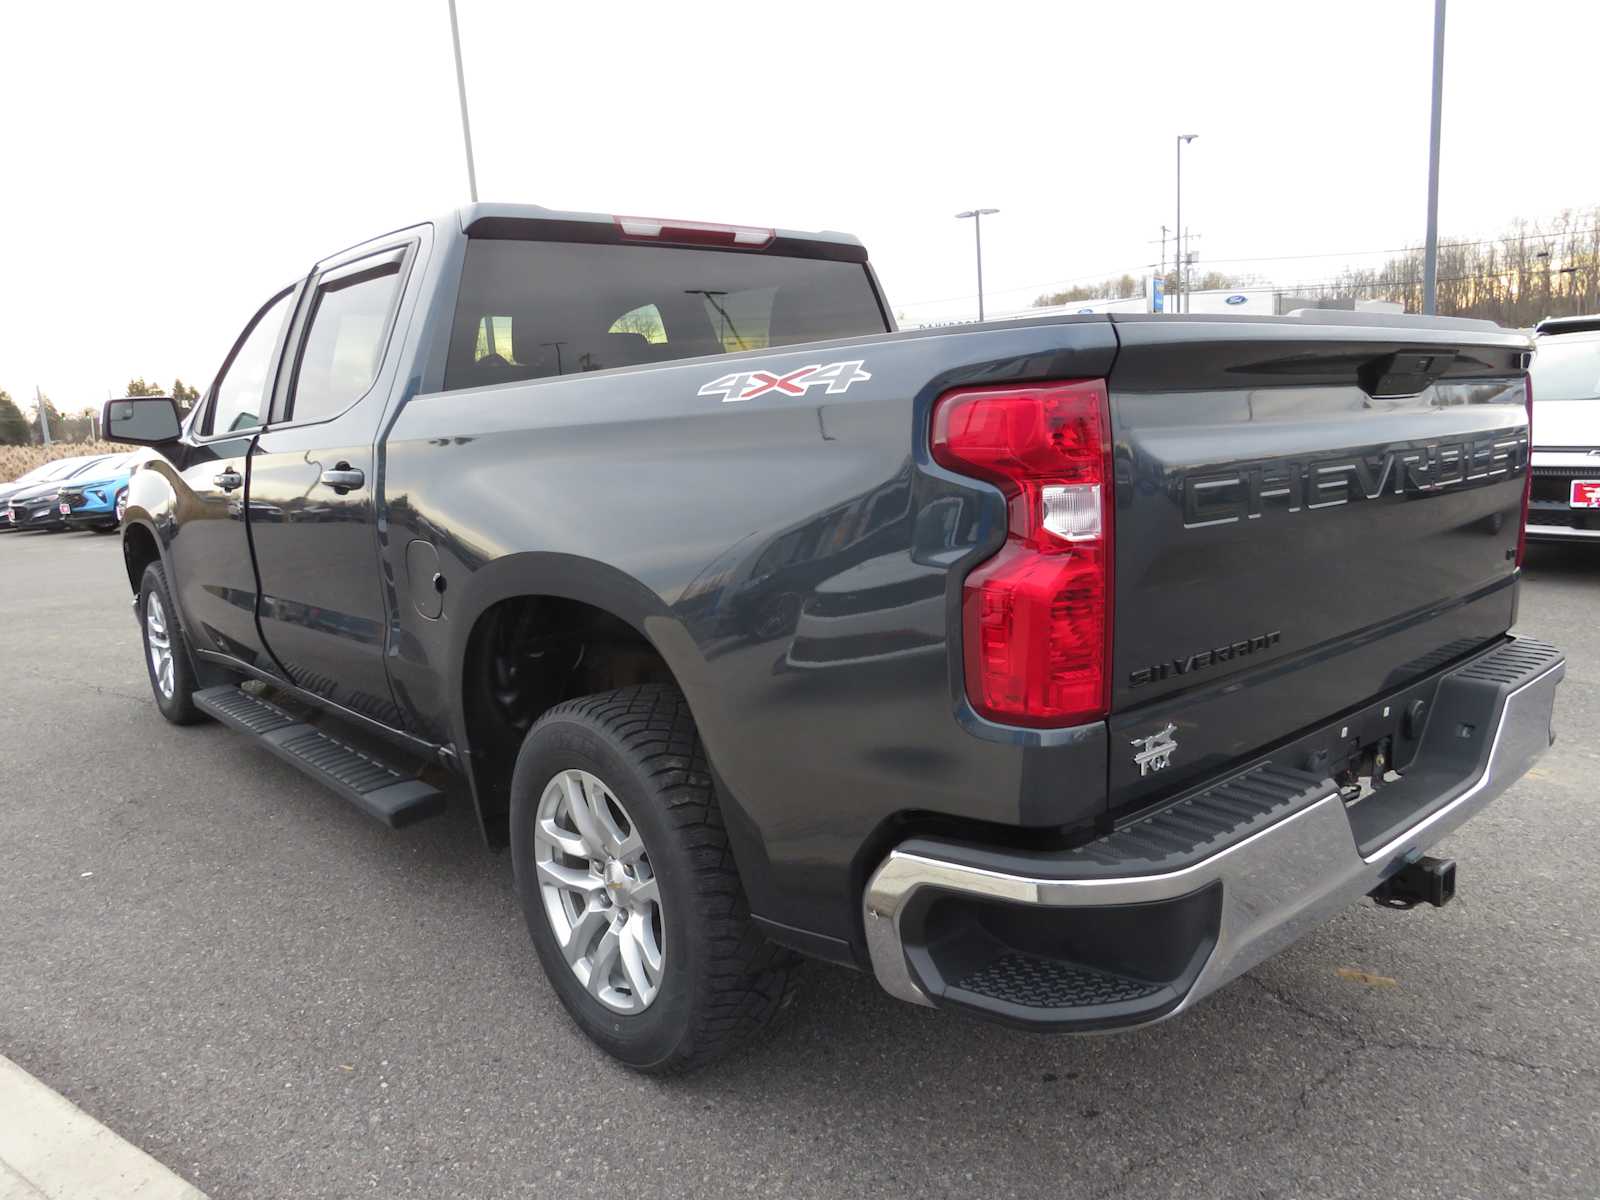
{"x":1154,"y":753}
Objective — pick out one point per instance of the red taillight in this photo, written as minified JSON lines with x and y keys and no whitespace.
{"x":694,"y":233}
{"x":1527,"y":478}
{"x":1036,"y":618}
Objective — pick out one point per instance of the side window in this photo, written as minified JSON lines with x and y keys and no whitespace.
{"x":240,"y":395}
{"x":344,"y":339}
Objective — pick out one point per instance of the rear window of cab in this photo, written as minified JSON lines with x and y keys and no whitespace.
{"x":530,"y":309}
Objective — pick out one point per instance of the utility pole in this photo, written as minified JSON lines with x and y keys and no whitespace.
{"x":461,"y":89}
{"x":1177,"y":230}
{"x":1163,"y":268}
{"x":1189,"y":257}
{"x":44,"y":414}
{"x":1430,"y":261}
{"x":977,"y":215}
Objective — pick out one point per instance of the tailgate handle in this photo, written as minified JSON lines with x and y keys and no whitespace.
{"x":1405,"y":372}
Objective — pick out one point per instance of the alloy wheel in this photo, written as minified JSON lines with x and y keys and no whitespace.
{"x":159,"y":642}
{"x":599,"y":891}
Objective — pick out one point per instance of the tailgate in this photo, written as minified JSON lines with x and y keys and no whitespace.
{"x":1307,"y":515}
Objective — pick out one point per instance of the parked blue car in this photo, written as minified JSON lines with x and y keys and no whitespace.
{"x":98,"y":498}
{"x":33,"y":502}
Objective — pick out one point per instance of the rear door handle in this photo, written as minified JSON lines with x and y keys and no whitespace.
{"x":228,"y":479}
{"x":343,"y":478}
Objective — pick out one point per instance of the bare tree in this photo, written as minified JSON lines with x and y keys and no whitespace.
{"x":1530,"y":272}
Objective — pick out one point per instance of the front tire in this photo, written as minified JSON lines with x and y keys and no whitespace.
{"x":628,"y":885}
{"x":166,"y":650}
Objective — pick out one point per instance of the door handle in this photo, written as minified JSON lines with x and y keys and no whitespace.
{"x":343,"y":478}
{"x":228,"y":479}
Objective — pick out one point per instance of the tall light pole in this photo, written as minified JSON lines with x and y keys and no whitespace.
{"x":1430,"y":257}
{"x":1177,"y":233}
{"x":977,"y":215}
{"x":461,"y":89}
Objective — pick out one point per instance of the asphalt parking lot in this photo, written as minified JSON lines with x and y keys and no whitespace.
{"x":276,"y":997}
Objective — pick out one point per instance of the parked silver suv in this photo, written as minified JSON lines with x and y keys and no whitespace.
{"x":1566,"y":430}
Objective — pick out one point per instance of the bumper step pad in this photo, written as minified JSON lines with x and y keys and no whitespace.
{"x":1033,"y":982}
{"x":384,"y":792}
{"x":1199,"y":826}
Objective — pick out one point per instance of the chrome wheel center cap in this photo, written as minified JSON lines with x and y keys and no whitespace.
{"x":617,"y":879}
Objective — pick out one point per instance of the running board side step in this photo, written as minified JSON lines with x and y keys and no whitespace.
{"x":383,"y":792}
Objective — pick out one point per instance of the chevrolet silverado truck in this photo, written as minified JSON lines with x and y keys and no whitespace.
{"x":1056,"y":671}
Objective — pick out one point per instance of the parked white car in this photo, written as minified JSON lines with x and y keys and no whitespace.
{"x":1566,"y":431}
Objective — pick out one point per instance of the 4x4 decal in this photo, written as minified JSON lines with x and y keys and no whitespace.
{"x":747,"y":385}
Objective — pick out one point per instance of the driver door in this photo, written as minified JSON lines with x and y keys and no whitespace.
{"x":214,"y":574}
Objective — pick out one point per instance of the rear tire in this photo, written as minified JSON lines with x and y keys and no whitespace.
{"x":166,"y":650}
{"x":717,"y":980}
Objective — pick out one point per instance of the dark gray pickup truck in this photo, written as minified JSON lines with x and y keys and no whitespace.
{"x":1057,"y":671}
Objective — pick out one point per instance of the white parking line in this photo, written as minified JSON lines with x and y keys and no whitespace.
{"x":50,"y":1149}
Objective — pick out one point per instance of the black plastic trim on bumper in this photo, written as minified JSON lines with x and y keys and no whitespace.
{"x":1279,"y":873}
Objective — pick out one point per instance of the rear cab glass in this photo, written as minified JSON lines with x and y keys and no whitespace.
{"x":532,"y":309}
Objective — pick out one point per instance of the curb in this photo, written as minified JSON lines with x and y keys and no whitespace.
{"x":50,"y":1149}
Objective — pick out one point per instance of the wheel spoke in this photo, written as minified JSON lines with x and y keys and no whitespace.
{"x":602,"y":960}
{"x":644,"y":936}
{"x":630,"y":849}
{"x":568,"y":843}
{"x":646,"y":891}
{"x":633,"y":966}
{"x":595,"y":796}
{"x":582,"y":815}
{"x":573,"y":879}
{"x":593,"y":919}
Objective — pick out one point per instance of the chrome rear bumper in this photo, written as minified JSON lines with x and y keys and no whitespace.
{"x":1560,"y":533}
{"x":1276,"y":884}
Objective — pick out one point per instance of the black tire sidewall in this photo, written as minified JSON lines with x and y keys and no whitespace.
{"x":567,"y":742}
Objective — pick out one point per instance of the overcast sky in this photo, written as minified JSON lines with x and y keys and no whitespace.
{"x":168,"y":164}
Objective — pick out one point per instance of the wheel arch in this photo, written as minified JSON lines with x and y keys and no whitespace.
{"x":140,"y":548}
{"x":572,"y":626}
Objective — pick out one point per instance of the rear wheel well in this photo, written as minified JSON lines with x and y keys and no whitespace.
{"x":525,"y":655}
{"x":138,"y":552}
